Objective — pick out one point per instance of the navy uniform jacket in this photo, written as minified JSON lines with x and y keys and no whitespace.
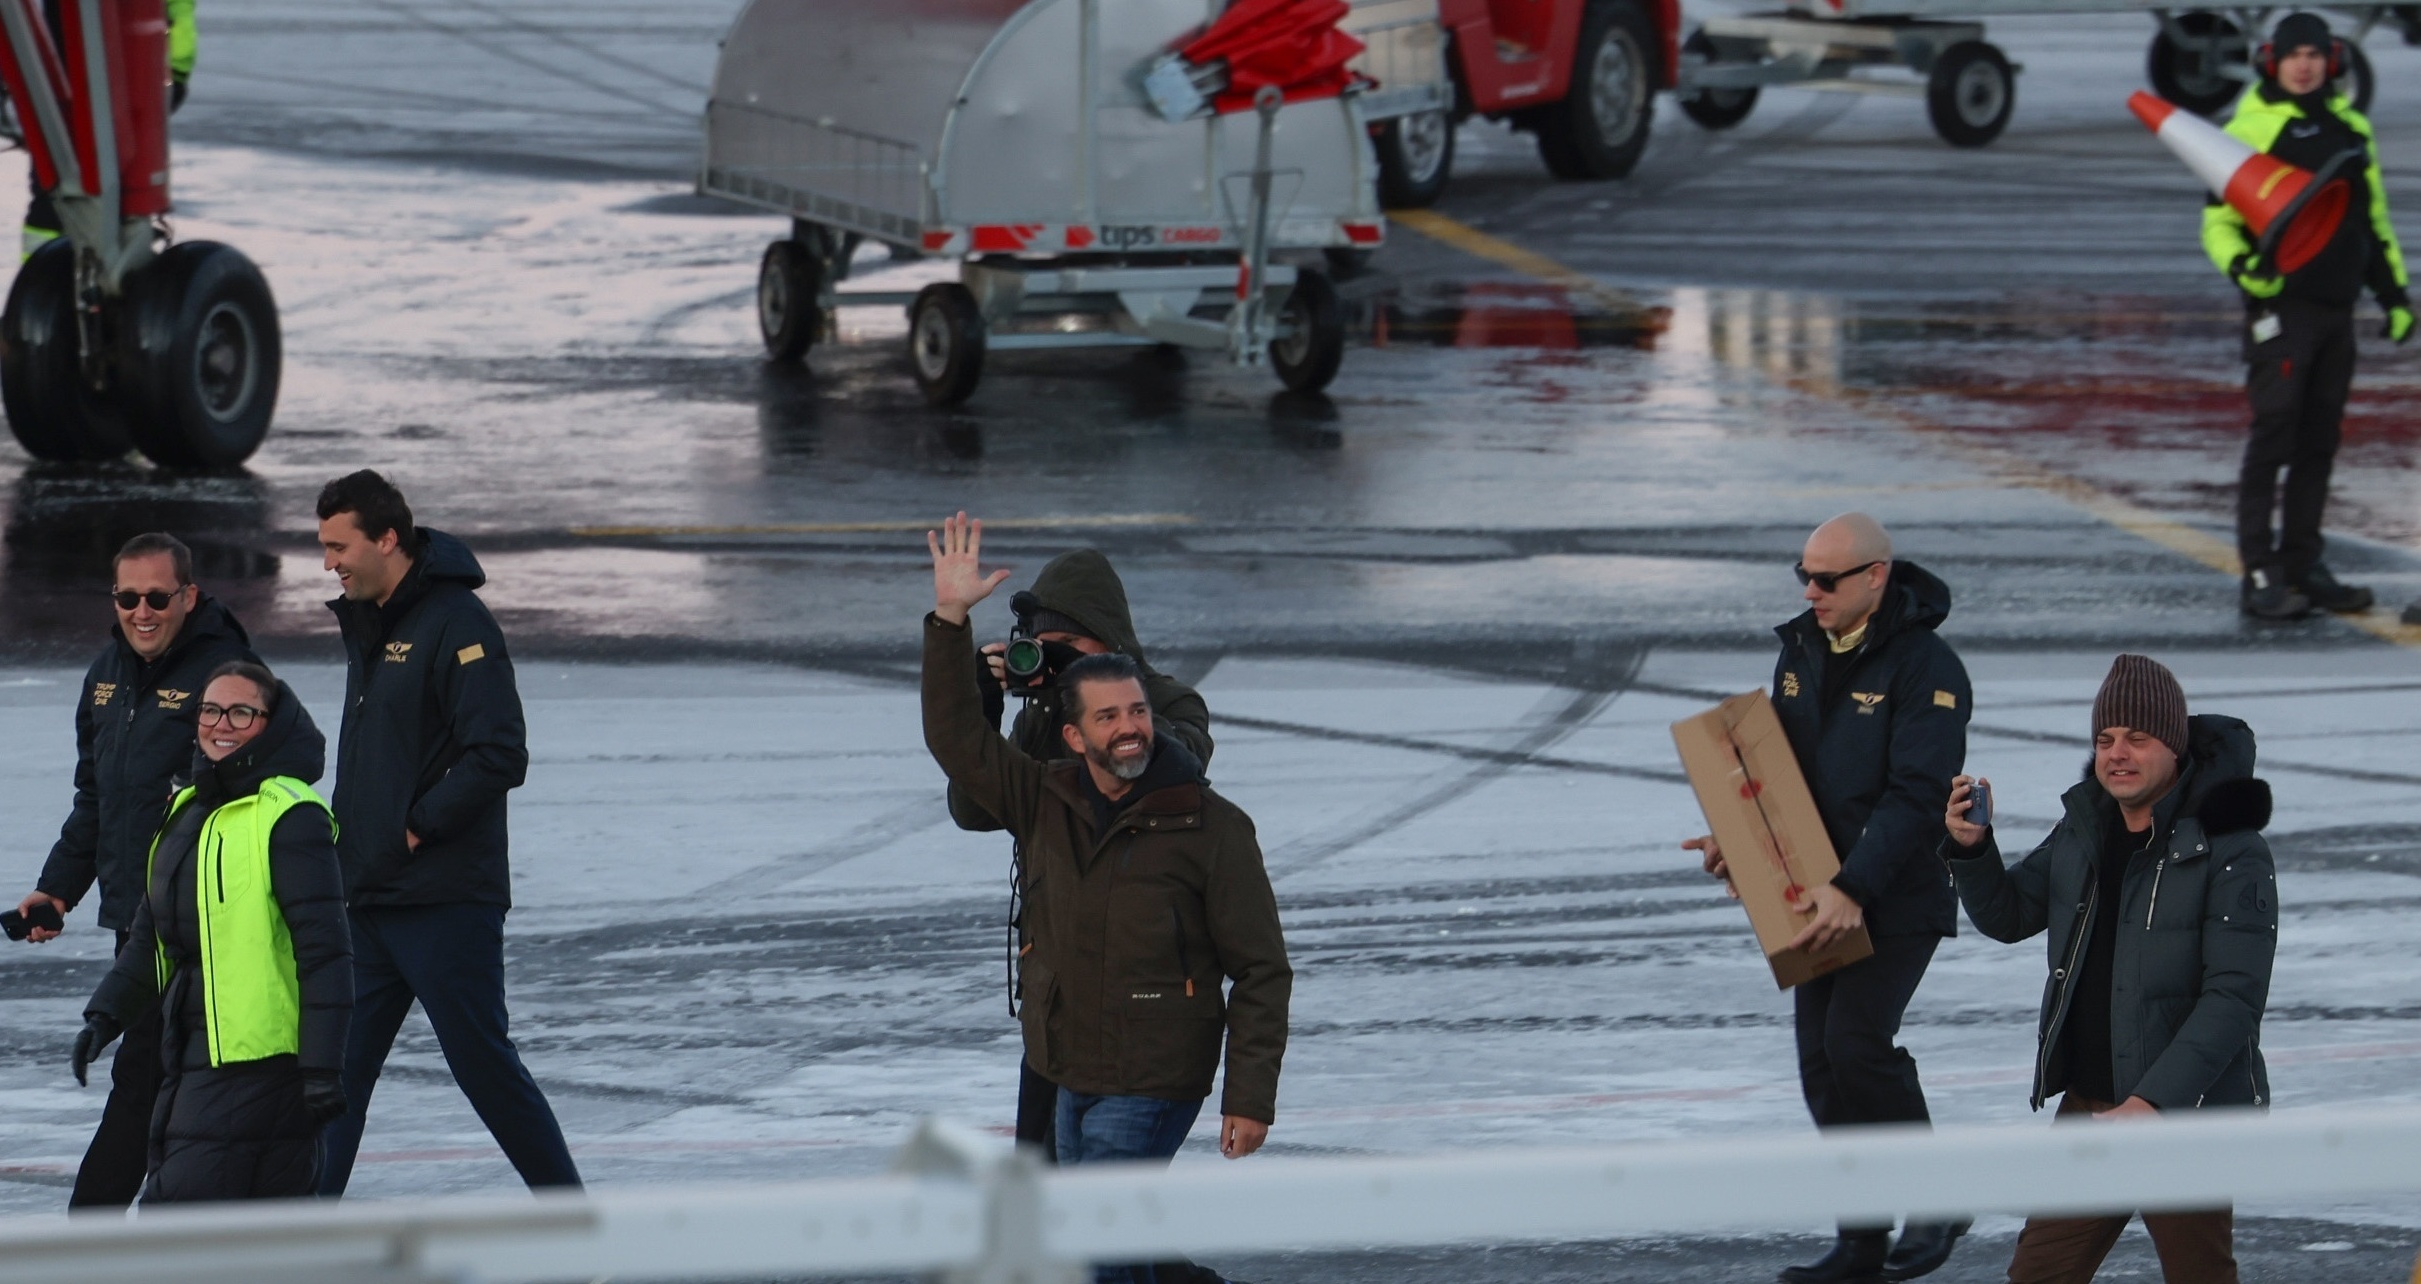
{"x":1879,"y":751}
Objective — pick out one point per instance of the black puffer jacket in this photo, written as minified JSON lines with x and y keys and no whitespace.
{"x":432,"y":741}
{"x":1879,"y":752}
{"x":302,"y":875}
{"x":1084,"y":587}
{"x":2197,"y":929}
{"x":134,"y":735}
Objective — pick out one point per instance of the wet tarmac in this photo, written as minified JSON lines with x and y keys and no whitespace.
{"x":1443,"y":613}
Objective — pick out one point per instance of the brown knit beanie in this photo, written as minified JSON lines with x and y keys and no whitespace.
{"x":2142,"y":695}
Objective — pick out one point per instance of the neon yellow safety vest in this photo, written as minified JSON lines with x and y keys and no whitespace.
{"x":250,"y":994}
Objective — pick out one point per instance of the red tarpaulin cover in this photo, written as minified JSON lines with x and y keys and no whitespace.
{"x":1292,"y":44}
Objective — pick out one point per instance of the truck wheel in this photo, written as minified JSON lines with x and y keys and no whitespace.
{"x":2194,"y":80}
{"x":946,"y":342}
{"x":1600,"y":128}
{"x":53,"y":413}
{"x":1416,"y":154}
{"x":790,"y":286}
{"x":200,"y":354}
{"x":1714,"y":108}
{"x":1311,"y":343}
{"x":1970,"y":93}
{"x":2356,"y":84}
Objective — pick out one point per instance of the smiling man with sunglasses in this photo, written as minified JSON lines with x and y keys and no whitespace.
{"x":134,"y":734}
{"x":1875,"y":704}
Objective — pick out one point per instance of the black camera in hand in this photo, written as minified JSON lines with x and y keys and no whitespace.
{"x":1031,"y":665}
{"x":45,"y":916}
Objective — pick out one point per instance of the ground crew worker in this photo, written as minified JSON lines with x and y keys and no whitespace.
{"x":239,"y":945}
{"x":2299,"y":327}
{"x":1146,"y":892}
{"x":2160,"y":900}
{"x":134,"y":738}
{"x":41,"y":217}
{"x":433,"y":740}
{"x":1875,"y":704}
{"x":1076,"y":608}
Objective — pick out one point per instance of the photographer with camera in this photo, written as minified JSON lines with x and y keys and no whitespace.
{"x":1077,"y":607}
{"x":1153,"y":936}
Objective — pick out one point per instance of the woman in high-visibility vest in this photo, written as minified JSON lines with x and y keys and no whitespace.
{"x":241,"y":941}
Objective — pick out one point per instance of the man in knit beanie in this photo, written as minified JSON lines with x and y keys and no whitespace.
{"x":2157,"y":872}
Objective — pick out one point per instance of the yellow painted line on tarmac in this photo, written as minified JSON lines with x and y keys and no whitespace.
{"x":2167,"y":532}
{"x":888,"y":527}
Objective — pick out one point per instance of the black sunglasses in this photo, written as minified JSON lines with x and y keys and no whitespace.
{"x":157,"y":599}
{"x":1828,"y":580}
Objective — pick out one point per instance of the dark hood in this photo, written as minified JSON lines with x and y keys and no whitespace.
{"x":1914,"y":598}
{"x":1083,"y":587}
{"x":443,"y":557}
{"x":2218,"y":788}
{"x":291,"y":746}
{"x":207,"y":621}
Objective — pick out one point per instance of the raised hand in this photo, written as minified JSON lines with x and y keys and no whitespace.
{"x":958,"y":578}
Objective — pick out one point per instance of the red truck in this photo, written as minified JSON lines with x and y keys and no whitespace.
{"x":1581,"y":75}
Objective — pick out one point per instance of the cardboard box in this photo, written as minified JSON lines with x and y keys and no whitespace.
{"x":1758,"y":806}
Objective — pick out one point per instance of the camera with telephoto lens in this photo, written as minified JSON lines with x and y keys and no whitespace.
{"x":1032,"y":664}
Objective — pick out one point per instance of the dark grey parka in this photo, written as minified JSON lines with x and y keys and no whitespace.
{"x":2197,"y":931}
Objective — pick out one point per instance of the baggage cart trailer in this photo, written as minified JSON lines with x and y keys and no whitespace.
{"x":2200,"y":59}
{"x":1020,"y":140}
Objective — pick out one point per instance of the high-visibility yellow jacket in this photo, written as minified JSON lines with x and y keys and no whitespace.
{"x":251,"y":995}
{"x":2263,"y":122}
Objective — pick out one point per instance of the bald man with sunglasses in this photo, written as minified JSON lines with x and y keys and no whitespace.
{"x":1875,"y":704}
{"x":134,"y":736}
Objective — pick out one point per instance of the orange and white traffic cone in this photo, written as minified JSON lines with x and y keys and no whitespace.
{"x":2293,"y":211}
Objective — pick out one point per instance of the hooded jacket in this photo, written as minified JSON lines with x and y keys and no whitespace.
{"x":2303,"y":132}
{"x":2197,"y":928}
{"x":303,"y":877}
{"x":1131,"y":927}
{"x":1879,"y":751}
{"x":134,"y":735}
{"x":432,"y":740}
{"x":1084,"y":587}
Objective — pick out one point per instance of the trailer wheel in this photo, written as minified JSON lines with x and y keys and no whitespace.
{"x":2191,"y":78}
{"x":1416,"y":155}
{"x":2357,"y":83}
{"x":946,"y":342}
{"x":1714,"y":108}
{"x":1311,"y":344}
{"x":1600,"y":128}
{"x":53,"y":413}
{"x":1970,"y":94}
{"x":790,"y":284}
{"x":201,"y":354}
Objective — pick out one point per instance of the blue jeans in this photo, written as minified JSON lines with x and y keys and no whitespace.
{"x":1097,"y":1130}
{"x":450,"y":958}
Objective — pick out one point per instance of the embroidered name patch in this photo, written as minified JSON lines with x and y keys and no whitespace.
{"x":1868,"y":701}
{"x":475,"y":651}
{"x":103,"y":693}
{"x":172,"y":699}
{"x":398,"y":652}
{"x":1790,"y":685}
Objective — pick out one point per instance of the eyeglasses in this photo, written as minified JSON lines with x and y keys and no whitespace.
{"x":238,"y":717}
{"x":157,"y":599}
{"x":1828,"y":580}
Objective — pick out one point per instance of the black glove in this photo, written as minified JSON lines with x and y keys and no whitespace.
{"x":323,"y":1096}
{"x":98,"y":1032}
{"x":176,"y":95}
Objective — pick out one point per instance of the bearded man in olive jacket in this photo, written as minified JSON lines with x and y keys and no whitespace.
{"x":1144,"y":891}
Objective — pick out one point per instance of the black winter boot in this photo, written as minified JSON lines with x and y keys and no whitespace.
{"x":1922,"y":1249}
{"x":2267,"y":597}
{"x":1855,"y":1259}
{"x":2328,"y":594}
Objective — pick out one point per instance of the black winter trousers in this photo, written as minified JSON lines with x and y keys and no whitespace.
{"x":450,"y":958}
{"x":235,"y":1132}
{"x":120,"y":1154}
{"x":2298,"y":383}
{"x":1851,"y":1067}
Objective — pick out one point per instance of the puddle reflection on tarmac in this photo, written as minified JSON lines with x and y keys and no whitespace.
{"x":65,"y":521}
